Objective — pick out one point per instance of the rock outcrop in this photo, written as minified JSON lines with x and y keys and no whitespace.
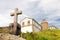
{"x":7,"y":36}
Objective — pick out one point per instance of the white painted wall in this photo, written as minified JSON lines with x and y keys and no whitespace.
{"x":26,"y":21}
{"x":26,"y":29}
{"x":51,"y":28}
{"x":29,"y":28}
{"x":36,"y":25}
{"x":36,"y":29}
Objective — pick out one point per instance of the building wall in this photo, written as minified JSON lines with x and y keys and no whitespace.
{"x":44,"y":25}
{"x":35,"y":29}
{"x":52,"y":27}
{"x":33,"y":26}
{"x":26,"y":29}
{"x":36,"y":26}
{"x":26,"y":22}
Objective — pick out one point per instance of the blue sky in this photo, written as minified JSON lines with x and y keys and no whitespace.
{"x":37,"y":9}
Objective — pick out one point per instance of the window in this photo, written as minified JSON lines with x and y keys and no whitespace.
{"x":28,"y":22}
{"x":23,"y":24}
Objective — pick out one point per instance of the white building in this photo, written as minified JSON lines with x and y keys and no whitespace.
{"x":29,"y":25}
{"x":52,"y":27}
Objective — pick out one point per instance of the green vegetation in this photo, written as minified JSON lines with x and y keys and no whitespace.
{"x":43,"y":35}
{"x":4,"y":30}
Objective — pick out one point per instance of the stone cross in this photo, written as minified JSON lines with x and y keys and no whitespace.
{"x":15,"y":14}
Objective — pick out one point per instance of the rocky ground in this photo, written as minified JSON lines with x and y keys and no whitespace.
{"x":6,"y":36}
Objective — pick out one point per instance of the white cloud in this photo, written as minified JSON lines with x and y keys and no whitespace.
{"x":49,"y":4}
{"x":49,"y":9}
{"x":3,"y":20}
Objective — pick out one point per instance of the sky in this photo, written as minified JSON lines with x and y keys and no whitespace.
{"x":37,"y":9}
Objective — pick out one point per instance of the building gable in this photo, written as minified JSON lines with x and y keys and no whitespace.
{"x":26,"y":22}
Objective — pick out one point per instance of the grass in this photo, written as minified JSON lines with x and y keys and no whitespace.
{"x":43,"y":35}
